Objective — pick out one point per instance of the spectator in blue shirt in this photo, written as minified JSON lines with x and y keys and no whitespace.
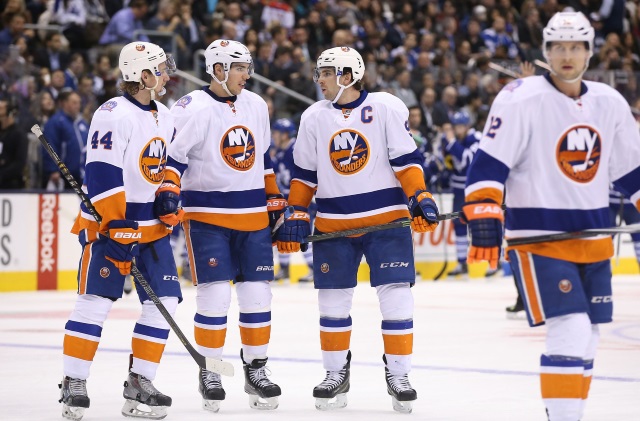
{"x":67,"y":132}
{"x":122,"y":25}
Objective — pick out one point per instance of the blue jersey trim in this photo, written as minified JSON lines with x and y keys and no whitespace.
{"x":352,"y":104}
{"x":565,"y":220}
{"x":101,"y":177}
{"x":484,"y":167}
{"x":414,"y":157}
{"x":362,"y":202}
{"x":306,"y":175}
{"x":227,"y":200}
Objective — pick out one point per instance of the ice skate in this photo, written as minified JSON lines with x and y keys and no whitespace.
{"x":139,"y":390}
{"x":398,"y":386}
{"x":211,"y":390}
{"x":461,"y":270}
{"x":263,"y":393}
{"x":307,"y":279}
{"x":282,"y":274}
{"x":74,"y":398}
{"x":128,"y":284}
{"x":516,"y":311}
{"x":492,"y":272}
{"x":332,"y":392}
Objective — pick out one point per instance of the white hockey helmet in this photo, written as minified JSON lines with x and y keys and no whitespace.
{"x":138,"y":56}
{"x":225,"y":52}
{"x":568,"y":26}
{"x":340,"y":58}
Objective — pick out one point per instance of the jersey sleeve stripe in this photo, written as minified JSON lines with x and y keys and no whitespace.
{"x":631,"y":184}
{"x":411,"y":179}
{"x":486,"y":168}
{"x":307,"y":176}
{"x":176,"y":166}
{"x":407,"y":159}
{"x":268,"y":164}
{"x":363,"y":202}
{"x":102,"y":177}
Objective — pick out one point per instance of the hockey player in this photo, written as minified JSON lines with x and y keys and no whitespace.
{"x":283,"y":133}
{"x":126,"y":159}
{"x":586,"y":132}
{"x":356,"y":150}
{"x":460,"y":143}
{"x":221,"y":160}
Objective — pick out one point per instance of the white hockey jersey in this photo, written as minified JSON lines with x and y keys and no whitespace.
{"x":221,"y":155}
{"x":556,"y":156}
{"x":126,"y":159}
{"x":356,"y":155}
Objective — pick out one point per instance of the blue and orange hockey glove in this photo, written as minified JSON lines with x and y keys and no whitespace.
{"x":485,"y":225}
{"x":276,"y":204}
{"x":424,"y":212}
{"x":122,"y":244}
{"x":166,"y":206}
{"x":296,"y":227}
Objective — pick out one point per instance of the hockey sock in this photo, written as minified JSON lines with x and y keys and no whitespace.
{"x":254,"y":302}
{"x":462,"y":244}
{"x":335,"y":326}
{"x":588,"y":365}
{"x":396,"y":306}
{"x":561,"y":380}
{"x":82,"y":334}
{"x":210,"y":322}
{"x":150,"y":336}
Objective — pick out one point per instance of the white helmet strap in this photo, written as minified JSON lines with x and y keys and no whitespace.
{"x":226,"y":78}
{"x":342,"y":87}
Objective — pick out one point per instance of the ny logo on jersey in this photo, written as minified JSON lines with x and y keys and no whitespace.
{"x":153,"y":159}
{"x":578,"y":153}
{"x":238,"y":148}
{"x":348,"y":151}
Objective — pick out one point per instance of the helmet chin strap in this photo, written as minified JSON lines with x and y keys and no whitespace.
{"x":342,"y":88}
{"x":224,"y":82}
{"x":153,"y":90}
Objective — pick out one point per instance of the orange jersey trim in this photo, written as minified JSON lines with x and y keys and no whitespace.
{"x":84,"y":269}
{"x":210,"y":338}
{"x":255,"y":336}
{"x":172,"y":177}
{"x":398,"y":344}
{"x":330,"y":225}
{"x":412,"y":180}
{"x":577,"y":251}
{"x":240,"y":222}
{"x":147,"y":350}
{"x":561,"y":386}
{"x":486,"y":193}
{"x":335,"y":341}
{"x":535,"y":306}
{"x":300,"y":194}
{"x":149,"y":233}
{"x":80,"y":348}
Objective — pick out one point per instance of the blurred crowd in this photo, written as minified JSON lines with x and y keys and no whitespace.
{"x":58,"y":59}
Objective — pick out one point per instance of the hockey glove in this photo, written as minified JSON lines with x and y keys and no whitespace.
{"x":485,"y":225}
{"x":423,"y":211}
{"x":295,"y":229}
{"x":122,"y":244}
{"x":276,"y":204}
{"x":166,"y":206}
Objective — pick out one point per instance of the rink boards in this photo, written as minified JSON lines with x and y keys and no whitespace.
{"x":38,"y":252}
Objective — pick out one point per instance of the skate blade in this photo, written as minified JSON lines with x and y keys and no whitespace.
{"x":330,"y":404}
{"x":72,"y":412}
{"x":401,"y":406}
{"x":263,"y":404}
{"x":211,"y":405}
{"x":135,"y":409}
{"x":219,"y":366}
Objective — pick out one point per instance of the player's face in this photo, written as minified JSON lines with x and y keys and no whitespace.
{"x":239,"y":73}
{"x":568,"y":59}
{"x":460,"y":130}
{"x":326,"y":79}
{"x":161,"y":79}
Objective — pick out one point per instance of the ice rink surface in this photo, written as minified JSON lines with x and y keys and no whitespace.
{"x":470,"y":362}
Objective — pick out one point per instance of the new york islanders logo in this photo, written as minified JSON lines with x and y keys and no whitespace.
{"x":238,"y":148}
{"x":578,"y":153}
{"x":153,"y":160}
{"x":348,"y":151}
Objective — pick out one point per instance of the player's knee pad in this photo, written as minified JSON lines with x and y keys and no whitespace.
{"x":335,"y":303}
{"x":396,"y":301}
{"x":254,"y":296}
{"x":569,"y":335}
{"x":151,"y":315}
{"x":213,"y":299}
{"x":91,"y":309}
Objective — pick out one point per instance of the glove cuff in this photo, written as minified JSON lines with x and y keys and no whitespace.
{"x":168,"y":186}
{"x":482,"y":210}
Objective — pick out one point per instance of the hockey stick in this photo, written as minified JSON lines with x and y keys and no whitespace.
{"x":504,"y":70}
{"x":541,"y":64}
{"x":626,"y":229}
{"x":373,"y":228}
{"x":210,"y":364}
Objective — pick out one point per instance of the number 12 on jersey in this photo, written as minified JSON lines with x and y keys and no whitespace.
{"x":105,"y":141}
